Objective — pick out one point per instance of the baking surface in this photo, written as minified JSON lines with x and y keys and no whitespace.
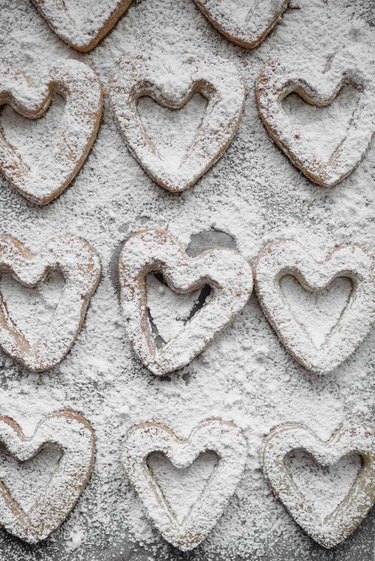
{"x":252,"y":196}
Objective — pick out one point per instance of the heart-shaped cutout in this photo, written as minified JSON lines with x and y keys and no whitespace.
{"x":244,"y":23}
{"x":182,"y":487}
{"x":319,"y":88}
{"x":317,"y":312}
{"x":172,"y":84}
{"x":169,"y":311}
{"x":283,"y":258}
{"x":73,"y":435}
{"x":80,"y":87}
{"x":226,"y":271}
{"x":83,"y":23}
{"x":328,"y":530}
{"x":78,"y":263}
{"x":214,"y":435}
{"x":33,"y":308}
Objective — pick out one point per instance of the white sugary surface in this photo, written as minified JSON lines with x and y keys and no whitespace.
{"x":254,"y":194}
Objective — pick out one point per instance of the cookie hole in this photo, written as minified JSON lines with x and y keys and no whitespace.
{"x":179,"y":127}
{"x":33,"y":139}
{"x":27,"y":481}
{"x":168,"y":311}
{"x":322,"y":129}
{"x":31,"y":309}
{"x":182,"y":487}
{"x":318,"y":313}
{"x":323,"y":487}
{"x":210,"y":239}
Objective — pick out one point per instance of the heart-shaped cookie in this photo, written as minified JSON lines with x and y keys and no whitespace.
{"x":223,"y":438}
{"x":226,"y":271}
{"x":331,"y":530}
{"x":73,"y":435}
{"x":172,"y":83}
{"x":283,"y":258}
{"x":80,"y":87}
{"x":85,"y":23}
{"x":319,"y":88}
{"x":244,"y":23}
{"x":79,"y":264}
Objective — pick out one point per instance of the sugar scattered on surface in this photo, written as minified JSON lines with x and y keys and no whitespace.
{"x":254,"y":194}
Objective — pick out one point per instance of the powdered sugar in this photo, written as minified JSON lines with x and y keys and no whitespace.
{"x":254,"y":194}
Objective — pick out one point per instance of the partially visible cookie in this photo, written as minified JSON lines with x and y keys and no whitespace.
{"x":75,"y":438}
{"x":79,"y":264}
{"x":319,"y":85}
{"x":244,"y":23}
{"x":83,"y":26}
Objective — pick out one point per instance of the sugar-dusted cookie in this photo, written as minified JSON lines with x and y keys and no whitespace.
{"x":333,"y":529}
{"x":226,"y":271}
{"x":80,"y":87}
{"x":73,"y":435}
{"x":215,"y":435}
{"x":245,"y":23}
{"x":319,"y":85}
{"x":79,"y":264}
{"x":282,"y":258}
{"x":172,"y":83}
{"x":82,"y":23}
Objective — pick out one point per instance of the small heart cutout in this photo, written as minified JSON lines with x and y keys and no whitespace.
{"x":320,"y":89}
{"x":244,"y":23}
{"x":51,"y":175}
{"x":283,"y":258}
{"x":172,"y":84}
{"x":332,"y":529}
{"x":226,"y":271}
{"x":82,"y":23}
{"x":79,"y":265}
{"x":75,"y":438}
{"x":213,"y":435}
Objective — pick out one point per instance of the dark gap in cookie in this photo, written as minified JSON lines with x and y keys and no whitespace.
{"x":196,"y":304}
{"x":210,"y":239}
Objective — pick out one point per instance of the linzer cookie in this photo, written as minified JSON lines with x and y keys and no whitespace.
{"x":226,"y":271}
{"x":282,"y":258}
{"x":75,"y":438}
{"x":172,"y":83}
{"x":83,"y":23}
{"x":79,"y":264}
{"x":244,"y":23}
{"x":333,"y":529}
{"x":46,"y":179}
{"x":319,"y":85}
{"x":223,"y":438}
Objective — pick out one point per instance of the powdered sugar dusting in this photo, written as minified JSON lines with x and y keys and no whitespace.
{"x":245,"y":375}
